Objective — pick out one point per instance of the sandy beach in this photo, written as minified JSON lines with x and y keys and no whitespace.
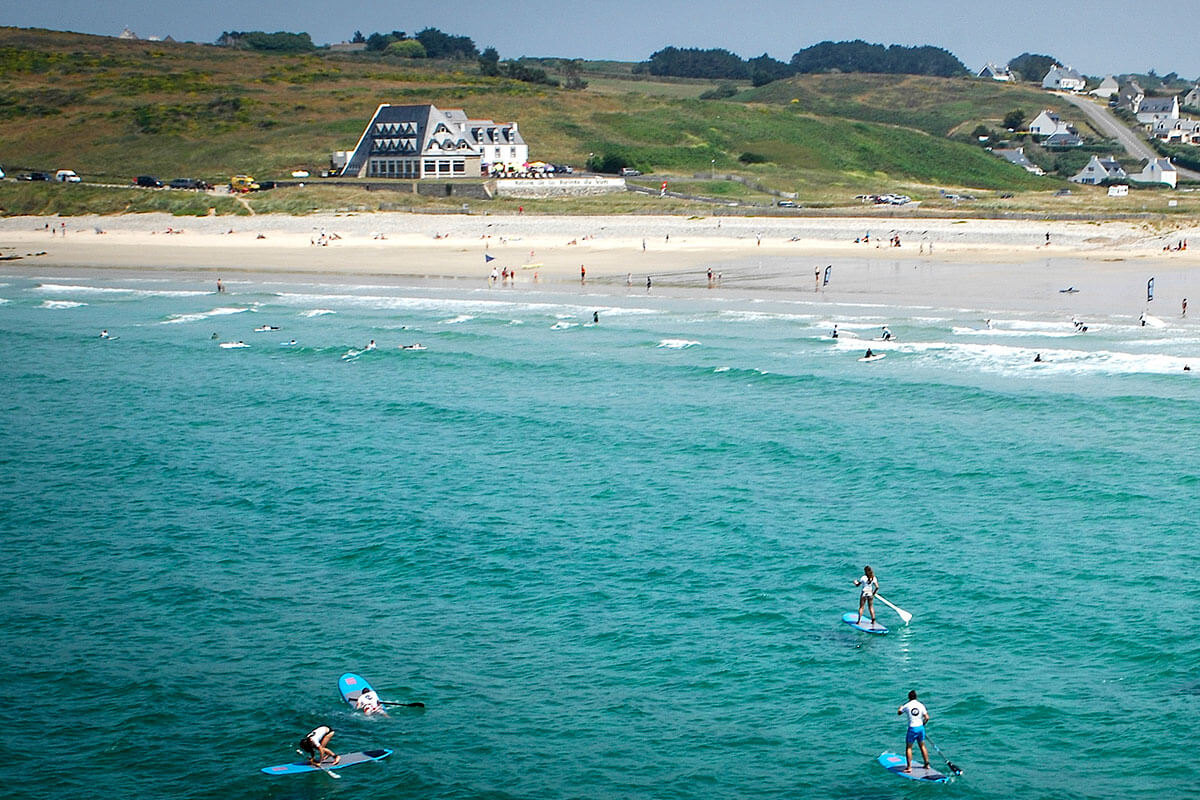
{"x":980,"y":264}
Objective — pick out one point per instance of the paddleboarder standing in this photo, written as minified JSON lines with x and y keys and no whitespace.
{"x":867,"y":584}
{"x":917,"y":716}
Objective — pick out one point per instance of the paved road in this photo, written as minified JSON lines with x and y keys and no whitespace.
{"x":1104,"y":121}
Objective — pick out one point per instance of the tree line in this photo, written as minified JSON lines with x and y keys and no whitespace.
{"x":855,"y":56}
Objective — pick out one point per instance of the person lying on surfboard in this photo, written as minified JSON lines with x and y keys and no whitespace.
{"x":368,"y":702}
{"x":869,"y":586}
{"x":316,"y":744}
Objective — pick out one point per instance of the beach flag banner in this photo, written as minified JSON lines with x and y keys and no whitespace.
{"x":488,"y":259}
{"x":1149,"y":290}
{"x":827,"y":271}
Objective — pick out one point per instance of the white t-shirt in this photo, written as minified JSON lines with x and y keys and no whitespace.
{"x":368,"y":701}
{"x":868,"y":586}
{"x":915,"y":710}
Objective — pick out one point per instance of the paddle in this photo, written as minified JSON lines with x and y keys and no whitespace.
{"x":328,"y":772}
{"x":904,"y":615}
{"x":406,"y":705}
{"x":956,"y":770}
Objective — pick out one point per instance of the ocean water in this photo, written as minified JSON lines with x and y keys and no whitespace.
{"x":611,"y":559}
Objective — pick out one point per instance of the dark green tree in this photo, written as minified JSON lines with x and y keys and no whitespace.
{"x":489,"y":62}
{"x":1032,"y":67}
{"x":1014,"y":119}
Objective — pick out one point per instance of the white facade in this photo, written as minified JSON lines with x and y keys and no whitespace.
{"x":996,"y":73}
{"x":1064,"y":79}
{"x":423,"y":141}
{"x":1181,"y":131}
{"x":1156,"y":109}
{"x":1157,"y":170}
{"x":1048,"y":123}
{"x":1107,"y":88}
{"x":1192,"y":98}
{"x":1099,"y":170}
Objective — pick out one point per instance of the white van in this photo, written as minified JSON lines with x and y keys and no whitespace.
{"x":66,"y":176}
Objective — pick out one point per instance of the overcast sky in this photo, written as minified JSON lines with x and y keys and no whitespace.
{"x":1094,"y":36}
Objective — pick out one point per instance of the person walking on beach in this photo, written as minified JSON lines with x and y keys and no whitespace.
{"x":582,"y":275}
{"x":220,"y":286}
{"x":648,"y":284}
{"x":868,"y":586}
{"x":917,"y":716}
{"x":316,"y":745}
{"x":1184,"y":314}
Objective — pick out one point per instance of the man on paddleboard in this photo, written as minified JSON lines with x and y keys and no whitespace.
{"x":368,"y":702}
{"x":316,"y":744}
{"x":917,"y":716}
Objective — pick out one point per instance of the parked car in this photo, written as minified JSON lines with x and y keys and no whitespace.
{"x":787,"y":204}
{"x":147,"y":180}
{"x":34,"y":176}
{"x":67,"y":176}
{"x":629,"y":172}
{"x":189,"y":183}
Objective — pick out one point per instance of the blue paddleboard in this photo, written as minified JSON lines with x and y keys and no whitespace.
{"x":895,"y":764}
{"x":866,"y":625}
{"x":351,"y":686}
{"x":347,"y":760}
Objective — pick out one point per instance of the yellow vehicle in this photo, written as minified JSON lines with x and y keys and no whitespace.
{"x":243,"y":183}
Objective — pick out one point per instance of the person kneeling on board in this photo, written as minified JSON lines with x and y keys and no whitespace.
{"x":369,"y":703}
{"x":917,"y":716}
{"x":869,"y":585}
{"x":316,"y":744}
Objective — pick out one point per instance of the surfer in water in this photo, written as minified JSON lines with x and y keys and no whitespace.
{"x":868,"y":586}
{"x":886,"y":335}
{"x":316,"y":745}
{"x":834,"y":335}
{"x":917,"y":716}
{"x":368,"y":702}
{"x":104,"y":334}
{"x":869,"y":355}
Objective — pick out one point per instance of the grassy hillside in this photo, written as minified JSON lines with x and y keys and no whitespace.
{"x":112,"y":109}
{"x":934,"y":105}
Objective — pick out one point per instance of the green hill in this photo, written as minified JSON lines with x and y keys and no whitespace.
{"x":112,"y":109}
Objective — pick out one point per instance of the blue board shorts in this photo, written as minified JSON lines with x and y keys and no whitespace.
{"x":916,"y":734}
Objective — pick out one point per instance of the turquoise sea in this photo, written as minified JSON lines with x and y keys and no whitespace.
{"x":611,"y":559}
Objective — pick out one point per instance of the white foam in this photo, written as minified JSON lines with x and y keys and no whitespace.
{"x":1154,"y":322}
{"x":562,"y":325}
{"x":461,"y":318}
{"x":233,"y":345}
{"x":4,"y":300}
{"x":216,"y":312}
{"x":317,"y":312}
{"x":677,"y":344}
{"x":61,"y":304}
{"x":60,"y":288}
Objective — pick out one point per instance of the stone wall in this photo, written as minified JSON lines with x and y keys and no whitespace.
{"x":557,"y":187}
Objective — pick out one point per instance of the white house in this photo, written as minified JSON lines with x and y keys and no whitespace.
{"x":1017,"y":156}
{"x":1178,"y":131}
{"x":1048,"y":123}
{"x":1099,"y":170}
{"x":1192,"y":98}
{"x":1064,"y":79}
{"x":1157,"y":170}
{"x":1156,"y":109}
{"x":1130,"y":96}
{"x":427,"y":142}
{"x":1107,"y":88}
{"x":996,"y":73}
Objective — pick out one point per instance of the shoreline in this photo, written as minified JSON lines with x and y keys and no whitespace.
{"x":987,"y":265}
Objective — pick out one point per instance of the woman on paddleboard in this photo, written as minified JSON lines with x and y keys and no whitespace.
{"x":868,"y":586}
